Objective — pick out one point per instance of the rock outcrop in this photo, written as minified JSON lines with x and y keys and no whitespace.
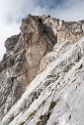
{"x":71,"y":31}
{"x":25,"y":58}
{"x":42,"y":74}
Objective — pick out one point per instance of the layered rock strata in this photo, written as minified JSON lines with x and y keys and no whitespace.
{"x":45,"y":48}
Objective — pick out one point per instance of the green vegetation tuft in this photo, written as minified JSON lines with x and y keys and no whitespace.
{"x":22,"y":123}
{"x":80,"y":66}
{"x":52,"y":105}
{"x":43,"y":119}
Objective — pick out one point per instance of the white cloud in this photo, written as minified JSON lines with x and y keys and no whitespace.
{"x":12,"y":12}
{"x":71,"y":10}
{"x":5,"y":32}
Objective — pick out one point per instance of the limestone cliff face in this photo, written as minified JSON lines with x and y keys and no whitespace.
{"x":71,"y":31}
{"x":25,"y":58}
{"x":45,"y":62}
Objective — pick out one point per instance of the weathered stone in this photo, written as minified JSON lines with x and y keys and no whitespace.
{"x":50,"y":69}
{"x":11,"y":42}
{"x":23,"y":59}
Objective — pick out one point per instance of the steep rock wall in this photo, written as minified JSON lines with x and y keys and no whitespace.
{"x":25,"y":58}
{"x":28,"y":54}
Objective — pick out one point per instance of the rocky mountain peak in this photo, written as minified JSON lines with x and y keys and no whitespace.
{"x":39,"y":72}
{"x":26,"y":56}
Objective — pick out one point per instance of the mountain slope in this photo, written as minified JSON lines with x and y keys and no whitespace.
{"x":42,"y":78}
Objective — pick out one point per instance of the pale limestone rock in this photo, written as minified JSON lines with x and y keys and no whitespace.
{"x":23,"y":60}
{"x":42,"y":74}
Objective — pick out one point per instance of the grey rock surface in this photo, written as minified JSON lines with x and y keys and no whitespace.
{"x":41,"y":77}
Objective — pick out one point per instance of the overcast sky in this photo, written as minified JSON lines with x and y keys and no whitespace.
{"x":12,"y":12}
